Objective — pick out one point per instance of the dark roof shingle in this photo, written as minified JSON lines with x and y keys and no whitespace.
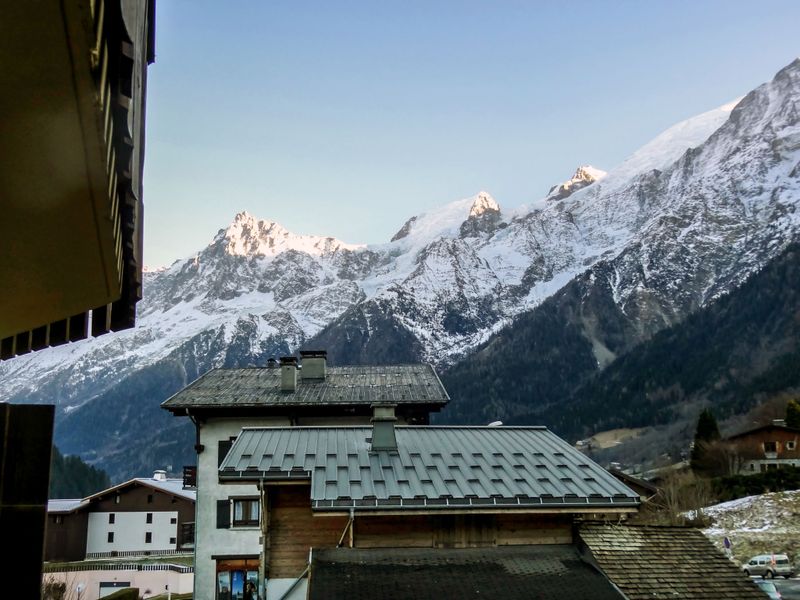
{"x":650,"y":562}
{"x":362,"y":385}
{"x":550,"y":572}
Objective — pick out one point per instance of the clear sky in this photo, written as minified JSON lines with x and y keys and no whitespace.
{"x":346,"y":118}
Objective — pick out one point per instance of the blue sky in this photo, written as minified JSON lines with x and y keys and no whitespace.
{"x":346,"y":118}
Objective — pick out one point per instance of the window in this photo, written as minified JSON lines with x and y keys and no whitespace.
{"x":236,"y":577}
{"x":790,"y":445}
{"x":58,"y":519}
{"x":116,"y":499}
{"x":111,"y":517}
{"x":222,"y":449}
{"x":770,"y":446}
{"x":148,"y":537}
{"x":245,"y":512}
{"x":149,"y":498}
{"x":149,"y":518}
{"x":173,"y":520}
{"x":173,"y":541}
{"x":110,"y":537}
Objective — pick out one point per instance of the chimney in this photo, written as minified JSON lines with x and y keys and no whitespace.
{"x":779,"y":422}
{"x":383,"y":435}
{"x":272,"y":363}
{"x":160,"y":475}
{"x":314,"y":364}
{"x":288,"y":373}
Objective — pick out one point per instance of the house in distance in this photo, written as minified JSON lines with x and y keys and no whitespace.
{"x":140,"y":517}
{"x":767,"y":447}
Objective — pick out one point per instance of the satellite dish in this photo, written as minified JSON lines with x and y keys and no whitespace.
{"x":496,"y":424}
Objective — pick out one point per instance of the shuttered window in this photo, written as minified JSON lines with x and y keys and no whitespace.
{"x":223,"y":447}
{"x":223,"y":514}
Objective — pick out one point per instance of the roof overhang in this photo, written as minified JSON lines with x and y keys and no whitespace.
{"x":69,"y":180}
{"x":295,"y":409}
{"x":427,"y":505}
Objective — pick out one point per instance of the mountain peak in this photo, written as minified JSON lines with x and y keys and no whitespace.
{"x":250,"y":236}
{"x":483,"y":203}
{"x":584,"y":175}
{"x":243,"y":216}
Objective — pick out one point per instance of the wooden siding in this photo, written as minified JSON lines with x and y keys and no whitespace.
{"x":65,"y":537}
{"x":293,"y":530}
{"x":393,"y":532}
{"x":752,"y":445}
{"x":529,"y":529}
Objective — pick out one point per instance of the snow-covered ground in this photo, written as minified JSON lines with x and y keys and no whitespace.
{"x":760,"y":524}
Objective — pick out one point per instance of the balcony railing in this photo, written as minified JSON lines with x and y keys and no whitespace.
{"x":190,"y":476}
{"x":186,"y":535}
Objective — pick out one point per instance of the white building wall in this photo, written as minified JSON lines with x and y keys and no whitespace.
{"x":129,"y":531}
{"x":752,"y":467}
{"x":210,"y":541}
{"x":155,"y":582}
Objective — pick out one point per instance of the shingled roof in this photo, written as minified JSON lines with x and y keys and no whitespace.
{"x":355,"y":385}
{"x":551,"y":572}
{"x":650,"y":562}
{"x":494,"y":468}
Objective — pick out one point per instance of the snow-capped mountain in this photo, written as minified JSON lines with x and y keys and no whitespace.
{"x":585,"y":175}
{"x":683,"y":220}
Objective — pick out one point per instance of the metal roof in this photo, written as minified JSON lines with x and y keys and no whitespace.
{"x":168,"y":486}
{"x":64,"y":505}
{"x":396,"y":384}
{"x":434,"y":467}
{"x":545,"y":572}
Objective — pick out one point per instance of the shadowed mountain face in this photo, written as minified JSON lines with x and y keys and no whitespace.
{"x":734,"y":352}
{"x":592,"y":273}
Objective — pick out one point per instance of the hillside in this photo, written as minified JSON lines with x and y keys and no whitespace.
{"x":760,"y":524}
{"x":737,"y":352}
{"x":740,"y":350}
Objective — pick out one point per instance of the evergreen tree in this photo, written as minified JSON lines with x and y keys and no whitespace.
{"x":707,"y":428}
{"x":793,"y":414}
{"x":706,"y":433}
{"x":70,"y":477}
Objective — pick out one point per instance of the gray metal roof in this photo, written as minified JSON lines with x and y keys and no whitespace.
{"x":434,"y":467}
{"x":397,"y":384}
{"x":63,"y":505}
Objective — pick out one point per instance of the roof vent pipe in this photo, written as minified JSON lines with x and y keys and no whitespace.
{"x":160,"y":475}
{"x":314,"y":364}
{"x":383,"y":434}
{"x":272,"y":363}
{"x":288,"y":373}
